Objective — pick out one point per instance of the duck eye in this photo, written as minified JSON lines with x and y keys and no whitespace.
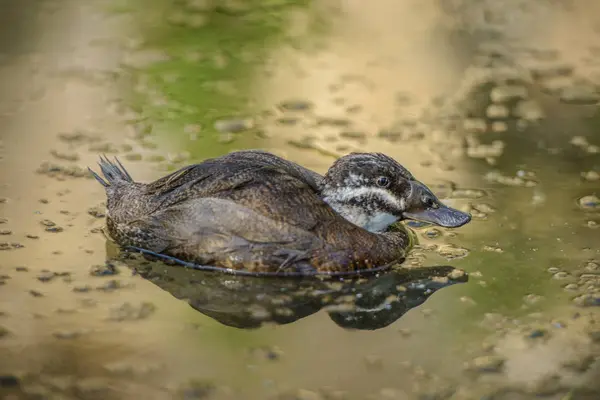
{"x":383,"y":181}
{"x":429,"y":202}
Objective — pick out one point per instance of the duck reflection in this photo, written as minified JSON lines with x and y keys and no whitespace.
{"x":249,"y":302}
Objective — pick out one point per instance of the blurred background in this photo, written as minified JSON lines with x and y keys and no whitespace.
{"x":495,"y":105}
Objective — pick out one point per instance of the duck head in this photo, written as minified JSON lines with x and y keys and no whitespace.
{"x":373,"y":191}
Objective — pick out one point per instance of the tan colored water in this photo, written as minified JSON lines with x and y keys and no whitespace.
{"x":527,"y":318}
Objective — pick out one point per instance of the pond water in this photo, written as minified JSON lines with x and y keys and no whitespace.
{"x":495,"y":108}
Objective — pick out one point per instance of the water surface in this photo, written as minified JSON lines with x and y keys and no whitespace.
{"x":495,"y":108}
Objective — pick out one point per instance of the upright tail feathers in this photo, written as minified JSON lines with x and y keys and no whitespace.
{"x":113,"y":172}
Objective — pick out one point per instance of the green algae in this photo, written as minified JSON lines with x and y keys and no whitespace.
{"x":207,"y":55}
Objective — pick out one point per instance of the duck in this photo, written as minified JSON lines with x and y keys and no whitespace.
{"x":253,"y":211}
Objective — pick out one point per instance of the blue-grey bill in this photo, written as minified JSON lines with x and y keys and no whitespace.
{"x":443,"y":216}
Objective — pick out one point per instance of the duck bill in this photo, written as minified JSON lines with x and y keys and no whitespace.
{"x":443,"y":216}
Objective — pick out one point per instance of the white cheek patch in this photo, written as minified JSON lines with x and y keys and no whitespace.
{"x":344,"y":194}
{"x":368,"y":218}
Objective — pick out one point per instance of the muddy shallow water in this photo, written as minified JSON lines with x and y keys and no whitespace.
{"x":495,"y":109}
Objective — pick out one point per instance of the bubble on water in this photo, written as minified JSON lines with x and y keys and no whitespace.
{"x":200,"y":5}
{"x":155,"y":158}
{"x":561,"y":275}
{"x":295,"y":105}
{"x":46,"y":276}
{"x":451,"y":252}
{"x":133,"y":157}
{"x":571,"y":287}
{"x":66,"y":334}
{"x":494,"y":249}
{"x":499,"y":126}
{"x":591,"y":266}
{"x":390,"y":135}
{"x":486,"y":364}
{"x":105,"y":269}
{"x":129,"y":312}
{"x":104,"y":148}
{"x":353,"y":135}
{"x":589,"y":203}
{"x":583,"y":94}
{"x":4,"y":333}
{"x":287,"y":120}
{"x":478,"y":150}
{"x":579,"y":141}
{"x":65,"y":156}
{"x":528,"y":110}
{"x":505,"y":93}
{"x":145,"y":58}
{"x":475,"y":125}
{"x":587,"y":300}
{"x":591,"y":176}
{"x":593,"y":149}
{"x":220,"y":61}
{"x":333,"y":121}
{"x":497,"y":111}
{"x":432,"y":233}
{"x":526,"y":179}
{"x":468,"y":194}
{"x":61,"y":172}
{"x":233,"y":125}
{"x":196,"y":21}
{"x":47,"y":223}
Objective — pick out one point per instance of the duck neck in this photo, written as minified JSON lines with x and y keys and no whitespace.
{"x":372,"y":220}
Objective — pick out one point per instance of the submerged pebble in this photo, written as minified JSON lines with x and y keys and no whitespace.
{"x":487,"y":364}
{"x":144,"y":58}
{"x":452,"y":252}
{"x":9,"y":381}
{"x":10,"y":245}
{"x":497,"y":111}
{"x":103,"y":270}
{"x":521,"y":179}
{"x":129,"y":312}
{"x":66,"y":156}
{"x":97,"y":212}
{"x":196,"y":390}
{"x":580,"y":94}
{"x":295,"y":105}
{"x":4,"y":332}
{"x":468,"y":194}
{"x":59,"y":171}
{"x":66,"y":334}
{"x":589,"y":203}
{"x":46,"y":276}
{"x":494,"y":249}
{"x":112,"y":285}
{"x":432,"y":233}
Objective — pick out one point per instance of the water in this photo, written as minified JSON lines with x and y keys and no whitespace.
{"x":495,"y":109}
